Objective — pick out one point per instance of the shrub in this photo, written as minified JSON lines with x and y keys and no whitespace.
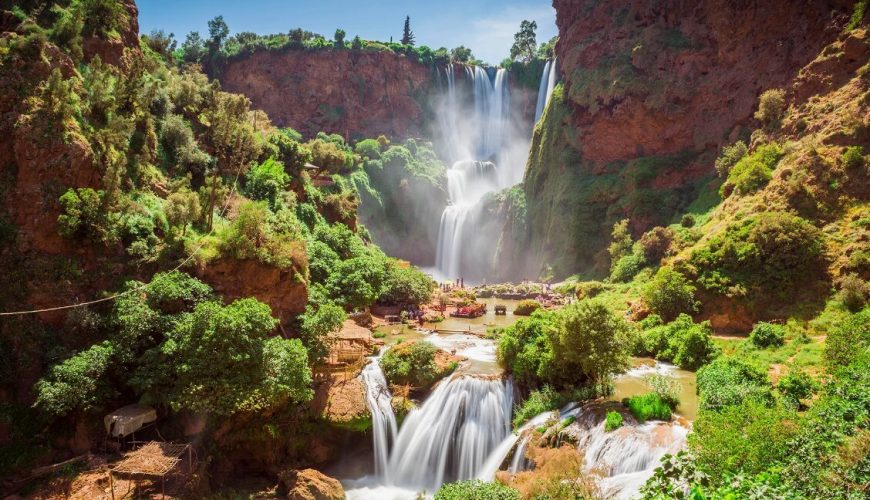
{"x":648,"y":407}
{"x":266,"y":181}
{"x":174,"y":292}
{"x":620,"y":245}
{"x":77,"y":383}
{"x":655,"y":243}
{"x":592,"y":342}
{"x":754,"y":170}
{"x":767,"y":335}
{"x":796,"y":386}
{"x":539,"y":401}
{"x":688,"y":220}
{"x":627,"y":267}
{"x":667,"y":388}
{"x":612,"y":421}
{"x":729,"y":157}
{"x":369,"y":149}
{"x":683,"y":342}
{"x":846,"y":340}
{"x":477,"y":489}
{"x":82,"y":214}
{"x":669,"y":294}
{"x":854,"y":292}
{"x":527,"y":307}
{"x":853,"y":158}
{"x":745,"y":438}
{"x":771,"y":106}
{"x":330,"y":156}
{"x":729,"y":381}
{"x":589,"y":289}
{"x":411,"y":363}
{"x":406,"y":285}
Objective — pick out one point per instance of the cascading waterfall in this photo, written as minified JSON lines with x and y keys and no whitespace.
{"x":451,"y":435}
{"x":379,"y":400}
{"x":470,"y":139}
{"x":545,"y":89}
{"x":624,"y":458}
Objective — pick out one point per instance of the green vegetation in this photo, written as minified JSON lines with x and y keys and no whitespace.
{"x":670,"y":294}
{"x":753,"y":171}
{"x":476,"y":489}
{"x":648,"y":407}
{"x":580,"y":345}
{"x":687,"y":344}
{"x":612,"y":421}
{"x":767,"y":335}
{"x":413,"y":364}
{"x":728,"y":381}
{"x":771,"y":106}
{"x":527,"y":307}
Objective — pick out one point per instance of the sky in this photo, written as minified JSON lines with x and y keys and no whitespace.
{"x":487,"y":27}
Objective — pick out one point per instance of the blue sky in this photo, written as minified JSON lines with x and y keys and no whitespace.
{"x":485,"y":26}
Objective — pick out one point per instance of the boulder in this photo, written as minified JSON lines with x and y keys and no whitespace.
{"x":310,"y":484}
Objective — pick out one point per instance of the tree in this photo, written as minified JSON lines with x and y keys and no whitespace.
{"x":407,"y":34}
{"x":193,"y":47}
{"x":77,"y":383}
{"x":461,"y":54}
{"x":620,"y":245}
{"x":224,"y":361}
{"x":182,"y":208}
{"x":339,"y":38}
{"x":233,"y":139}
{"x":669,"y":294}
{"x":524,"y":42}
{"x":592,"y":342}
{"x":217,"y":33}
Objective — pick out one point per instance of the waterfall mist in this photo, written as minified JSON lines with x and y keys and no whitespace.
{"x":486,"y":143}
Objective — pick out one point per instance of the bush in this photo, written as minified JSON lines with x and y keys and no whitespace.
{"x":627,"y":267}
{"x":527,"y":307}
{"x":753,"y":171}
{"x":539,"y":401}
{"x":592,"y":343}
{"x":588,"y":289}
{"x":687,"y":221}
{"x":477,"y":489}
{"x":369,"y":149}
{"x":746,"y":438}
{"x":854,"y":292}
{"x":266,"y":181}
{"x":771,"y":106}
{"x":175,"y":292}
{"x":767,"y":335}
{"x":847,"y":340}
{"x":330,"y":156}
{"x":729,"y":157}
{"x":669,"y":294}
{"x":317,"y":324}
{"x":853,"y":158}
{"x":82,"y":214}
{"x":796,"y":386}
{"x":412,"y":363}
{"x":667,"y":388}
{"x":612,"y":421}
{"x":648,"y":407}
{"x":729,"y":381}
{"x":687,"y":344}
{"x":655,"y":243}
{"x":406,"y":285}
{"x":77,"y":383}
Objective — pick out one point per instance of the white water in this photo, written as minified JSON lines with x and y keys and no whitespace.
{"x":545,"y":89}
{"x":475,"y":143}
{"x":379,"y":400}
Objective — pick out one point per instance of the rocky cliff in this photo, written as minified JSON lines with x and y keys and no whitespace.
{"x":651,"y":90}
{"x":353,"y":93}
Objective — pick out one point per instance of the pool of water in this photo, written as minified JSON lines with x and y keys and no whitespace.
{"x":633,"y":382}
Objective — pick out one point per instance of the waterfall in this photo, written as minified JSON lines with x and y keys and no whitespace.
{"x":474,"y":142}
{"x":379,"y":401}
{"x":545,"y":89}
{"x":623,"y":459}
{"x":542,"y":92}
{"x":453,"y":433}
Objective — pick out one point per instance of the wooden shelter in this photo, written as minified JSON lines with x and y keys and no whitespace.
{"x":154,"y":459}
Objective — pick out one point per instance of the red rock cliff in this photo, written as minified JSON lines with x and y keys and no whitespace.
{"x":353,"y":93}
{"x":652,"y":90}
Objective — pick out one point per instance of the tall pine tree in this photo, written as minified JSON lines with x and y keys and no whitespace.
{"x":407,"y":34}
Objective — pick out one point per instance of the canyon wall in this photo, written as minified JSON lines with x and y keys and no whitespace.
{"x":651,"y":91}
{"x":352,"y":93}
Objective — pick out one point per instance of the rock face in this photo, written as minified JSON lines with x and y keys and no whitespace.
{"x":352,"y":93}
{"x":283,"y":289}
{"x":309,"y":484}
{"x":651,"y":91}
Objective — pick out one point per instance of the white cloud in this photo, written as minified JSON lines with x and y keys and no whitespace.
{"x":491,"y":37}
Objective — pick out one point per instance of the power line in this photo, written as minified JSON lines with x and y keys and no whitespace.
{"x":144,"y":285}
